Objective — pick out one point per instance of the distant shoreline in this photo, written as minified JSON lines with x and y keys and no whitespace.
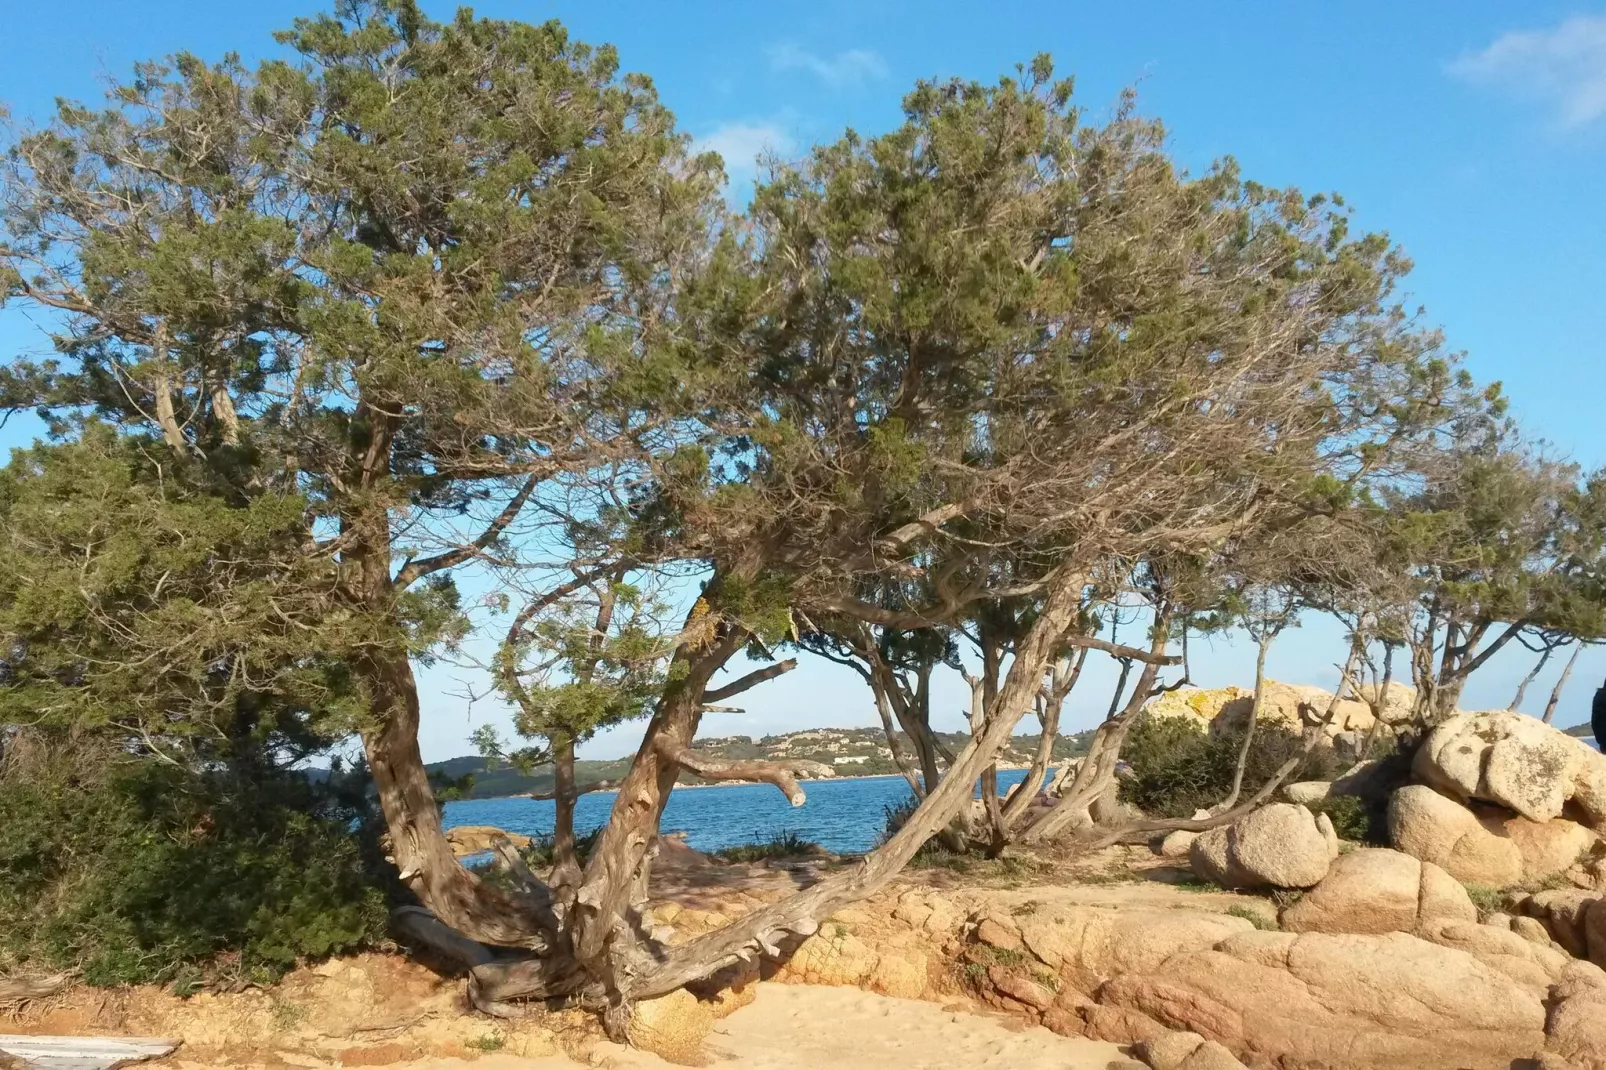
{"x":738,"y":784}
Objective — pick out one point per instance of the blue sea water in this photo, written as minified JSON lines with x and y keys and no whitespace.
{"x":843,"y":816}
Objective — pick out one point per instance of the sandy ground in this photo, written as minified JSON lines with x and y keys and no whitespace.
{"x":807,"y":1027}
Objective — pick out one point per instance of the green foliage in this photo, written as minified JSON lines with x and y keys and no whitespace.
{"x":135,"y":871}
{"x":782,"y":845}
{"x":1354,"y":818}
{"x":1488,"y":900}
{"x":539,"y":853}
{"x":1178,"y":767}
{"x":134,"y":598}
{"x":1253,"y":917}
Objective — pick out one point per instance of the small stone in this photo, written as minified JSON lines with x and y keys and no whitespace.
{"x":994,"y":933}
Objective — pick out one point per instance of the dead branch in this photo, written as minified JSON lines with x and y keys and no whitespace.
{"x":752,"y":679}
{"x":759,"y":772}
{"x":581,"y":789}
{"x":18,"y":989}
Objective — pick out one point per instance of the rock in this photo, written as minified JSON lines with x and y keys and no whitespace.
{"x":1429,"y":826}
{"x":1176,"y":844}
{"x":672,"y":1026}
{"x":1532,"y":930}
{"x":1281,"y":845}
{"x":1186,"y":1051}
{"x":1576,"y":1026}
{"x":1548,"y":848}
{"x":999,"y":933}
{"x":1305,"y":792}
{"x":905,"y":974}
{"x":1324,"y":825}
{"x":1227,"y":708}
{"x":477,"y":839}
{"x":1376,"y":890}
{"x":1086,"y":945}
{"x":1299,"y":999}
{"x":1534,"y":965}
{"x":1209,"y":858}
{"x":1565,"y":912}
{"x":831,"y":956}
{"x":1020,"y":988}
{"x":1518,"y":761}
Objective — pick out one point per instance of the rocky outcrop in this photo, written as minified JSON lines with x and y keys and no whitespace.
{"x":1536,"y":964}
{"x":476,"y":839}
{"x":1514,"y":760}
{"x":1577,"y":1020}
{"x":1084,"y":946}
{"x":1319,"y":999}
{"x":1575,"y":918}
{"x":673,"y":1026}
{"x":1379,"y":891}
{"x":1280,"y":846}
{"x":1227,"y":708}
{"x":1431,"y":827}
{"x":1548,"y":848}
{"x":1186,"y":1051}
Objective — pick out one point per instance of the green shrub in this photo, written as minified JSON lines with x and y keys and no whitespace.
{"x":539,"y":853}
{"x":143,"y":871}
{"x":1253,"y":917}
{"x":786,"y":844}
{"x":1177,"y":767}
{"x":1354,"y":819}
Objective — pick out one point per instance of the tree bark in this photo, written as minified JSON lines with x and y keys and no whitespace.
{"x":565,"y":866}
{"x":604,"y":946}
{"x":1062,"y":682}
{"x":419,"y":848}
{"x":801,"y":913}
{"x":1555,"y":692}
{"x":1263,"y":646}
{"x":1097,"y":772}
{"x":1533,"y":673}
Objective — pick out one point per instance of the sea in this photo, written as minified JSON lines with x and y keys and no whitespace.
{"x":845,"y":816}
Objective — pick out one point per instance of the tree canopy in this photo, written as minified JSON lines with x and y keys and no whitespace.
{"x":428,"y":299}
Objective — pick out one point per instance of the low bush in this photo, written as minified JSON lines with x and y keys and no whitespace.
{"x":133,"y":870}
{"x":1355,"y":819}
{"x":786,"y":844}
{"x":1177,"y":767}
{"x":539,"y":853}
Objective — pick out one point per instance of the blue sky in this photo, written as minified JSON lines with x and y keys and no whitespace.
{"x":1473,"y":132}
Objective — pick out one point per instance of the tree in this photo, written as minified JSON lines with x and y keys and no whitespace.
{"x":407,"y":277}
{"x":1499,"y":546}
{"x":433,"y":277}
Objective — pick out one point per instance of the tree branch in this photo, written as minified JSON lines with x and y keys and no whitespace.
{"x":709,"y":768}
{"x":413,"y":571}
{"x":752,"y":679}
{"x":580,"y":789}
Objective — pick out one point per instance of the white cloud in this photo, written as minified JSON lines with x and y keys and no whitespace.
{"x":1565,"y":66}
{"x":740,"y":144}
{"x":849,"y":68}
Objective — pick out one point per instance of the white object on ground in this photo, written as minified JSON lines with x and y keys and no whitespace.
{"x":84,"y":1053}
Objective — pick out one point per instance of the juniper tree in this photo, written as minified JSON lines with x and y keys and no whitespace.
{"x":425,"y":277}
{"x":407,"y":275}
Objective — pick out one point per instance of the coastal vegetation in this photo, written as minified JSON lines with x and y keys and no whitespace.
{"x":432,"y":338}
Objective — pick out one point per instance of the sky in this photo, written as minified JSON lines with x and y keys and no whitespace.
{"x":1473,"y":132}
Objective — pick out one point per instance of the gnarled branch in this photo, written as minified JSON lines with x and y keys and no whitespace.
{"x":759,"y":772}
{"x":414,"y":571}
{"x":752,"y":679}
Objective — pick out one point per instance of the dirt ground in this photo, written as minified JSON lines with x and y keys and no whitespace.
{"x":381,"y":1009}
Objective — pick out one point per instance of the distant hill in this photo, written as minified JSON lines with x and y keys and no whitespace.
{"x":850,"y":751}
{"x":1582,"y":731}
